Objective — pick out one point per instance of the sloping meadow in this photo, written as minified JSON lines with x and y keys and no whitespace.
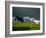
{"x":19,"y":26}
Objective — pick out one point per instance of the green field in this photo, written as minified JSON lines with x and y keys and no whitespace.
{"x":19,"y":26}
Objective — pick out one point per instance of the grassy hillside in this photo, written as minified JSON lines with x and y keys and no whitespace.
{"x":17,"y":26}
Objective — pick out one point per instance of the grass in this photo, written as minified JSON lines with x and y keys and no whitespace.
{"x":17,"y":26}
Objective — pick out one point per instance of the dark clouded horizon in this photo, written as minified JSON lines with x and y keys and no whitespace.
{"x":23,"y":11}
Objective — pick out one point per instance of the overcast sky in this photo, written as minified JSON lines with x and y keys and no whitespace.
{"x":23,"y":11}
